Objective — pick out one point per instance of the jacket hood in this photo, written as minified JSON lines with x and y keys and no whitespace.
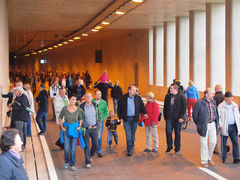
{"x":191,"y":89}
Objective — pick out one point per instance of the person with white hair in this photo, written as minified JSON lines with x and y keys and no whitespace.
{"x":19,"y":113}
{"x":151,"y":122}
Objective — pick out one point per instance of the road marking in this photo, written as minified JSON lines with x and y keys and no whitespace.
{"x":212,"y":173}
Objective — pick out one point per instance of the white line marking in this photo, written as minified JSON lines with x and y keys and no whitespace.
{"x":212,"y":173}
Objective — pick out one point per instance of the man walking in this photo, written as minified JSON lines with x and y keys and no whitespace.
{"x":229,"y":125}
{"x":205,"y":116}
{"x":174,"y":110}
{"x":102,"y":105}
{"x":129,"y":108}
{"x":116,"y":93}
{"x":90,"y":125}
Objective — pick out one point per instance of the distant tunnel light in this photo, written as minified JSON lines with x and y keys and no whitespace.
{"x":105,"y":22}
{"x":120,"y":12}
{"x":84,"y":34}
{"x":60,"y":44}
{"x":70,"y":40}
{"x":50,"y":48}
{"x":76,"y":37}
{"x":55,"y":46}
{"x":43,"y":61}
{"x":94,"y":30}
{"x":65,"y":42}
{"x":138,"y":1}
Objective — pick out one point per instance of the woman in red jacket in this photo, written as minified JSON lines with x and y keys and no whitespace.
{"x":151,"y":123}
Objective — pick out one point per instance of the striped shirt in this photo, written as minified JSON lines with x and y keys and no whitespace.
{"x":211,"y":111}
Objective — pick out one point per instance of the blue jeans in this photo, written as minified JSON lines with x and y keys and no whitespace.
{"x":130,"y":127}
{"x":42,"y":124}
{"x":29,"y":132}
{"x":170,"y":125}
{"x":233,"y":134}
{"x":99,"y":141}
{"x":115,"y":101}
{"x":70,"y":145}
{"x":109,"y":138}
{"x":90,"y":133}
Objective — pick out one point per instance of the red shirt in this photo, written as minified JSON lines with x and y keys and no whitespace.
{"x":152,"y":112}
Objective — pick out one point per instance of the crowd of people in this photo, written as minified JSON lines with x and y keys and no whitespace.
{"x":81,"y":116}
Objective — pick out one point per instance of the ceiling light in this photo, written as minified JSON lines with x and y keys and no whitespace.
{"x":39,"y":51}
{"x":27,"y":54}
{"x":105,"y":23}
{"x":120,"y":12}
{"x":50,"y":48}
{"x":60,"y":44}
{"x":70,"y":40}
{"x":34,"y":53}
{"x":137,"y":1}
{"x":98,"y":27}
{"x":55,"y":46}
{"x":84,"y":34}
{"x":45,"y":50}
{"x":94,"y":30}
{"x":65,"y":42}
{"x":76,"y":37}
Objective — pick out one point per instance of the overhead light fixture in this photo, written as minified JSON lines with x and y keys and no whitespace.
{"x":94,"y":30}
{"x":45,"y":50}
{"x":105,"y":23}
{"x":34,"y":53}
{"x":120,"y":12}
{"x":50,"y":48}
{"x":77,"y":38}
{"x":60,"y":44}
{"x":84,"y":34}
{"x":98,"y":27}
{"x":39,"y":51}
{"x":27,"y":54}
{"x":138,"y":1}
{"x":65,"y":42}
{"x":70,"y":40}
{"x":55,"y":46}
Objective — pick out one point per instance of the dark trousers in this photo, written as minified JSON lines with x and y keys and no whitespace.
{"x":130,"y":127}
{"x":42,"y":124}
{"x":29,"y":131}
{"x":21,"y":127}
{"x":93,"y":134}
{"x":233,"y":134}
{"x":170,"y":125}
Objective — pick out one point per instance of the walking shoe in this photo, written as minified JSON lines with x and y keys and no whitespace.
{"x":90,"y":159}
{"x":168,"y":150}
{"x":129,"y":154}
{"x":147,"y":150}
{"x":177,"y":153}
{"x":88,"y":166}
{"x":205,"y":165}
{"x":228,"y":148}
{"x":100,"y":155}
{"x":110,"y":145}
{"x":211,"y":162}
{"x":73,"y":168}
{"x":155,"y":150}
{"x":116,"y":143}
{"x":65,"y":165}
{"x":235,"y":161}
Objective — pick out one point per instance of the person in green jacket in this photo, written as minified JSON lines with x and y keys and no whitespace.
{"x":102,"y":105}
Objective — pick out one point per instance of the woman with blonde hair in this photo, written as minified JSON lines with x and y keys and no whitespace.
{"x":151,"y":122}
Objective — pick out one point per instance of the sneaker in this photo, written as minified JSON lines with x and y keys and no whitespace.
{"x":168,"y":150}
{"x":147,"y":150}
{"x":235,"y":161}
{"x":100,"y":155}
{"x":129,"y":154}
{"x":205,"y":165}
{"x":73,"y":168}
{"x":91,"y":159}
{"x":211,"y":162}
{"x":177,"y":153}
{"x":155,"y":150}
{"x":88,"y":166}
{"x":65,"y":165}
{"x":110,"y":145}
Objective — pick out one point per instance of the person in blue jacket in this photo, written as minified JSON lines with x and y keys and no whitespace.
{"x":192,"y":97}
{"x":11,"y":162}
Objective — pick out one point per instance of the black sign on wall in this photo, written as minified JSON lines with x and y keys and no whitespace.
{"x":98,"y":56}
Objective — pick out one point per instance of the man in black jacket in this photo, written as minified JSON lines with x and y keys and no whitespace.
{"x":116,"y":93}
{"x":130,"y":106}
{"x":174,"y":111}
{"x":19,"y":113}
{"x":42,"y":101}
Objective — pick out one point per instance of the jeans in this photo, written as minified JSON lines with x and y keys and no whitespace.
{"x":99,"y":141}
{"x":29,"y":132}
{"x":70,"y":145}
{"x":170,"y":125}
{"x":115,"y":102}
{"x":233,"y":134}
{"x":93,"y":134}
{"x":42,"y":124}
{"x":109,"y":138}
{"x":207,"y":152}
{"x":130,"y":127}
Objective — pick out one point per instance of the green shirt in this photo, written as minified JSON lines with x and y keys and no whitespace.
{"x":69,"y":117}
{"x":103,"y":108}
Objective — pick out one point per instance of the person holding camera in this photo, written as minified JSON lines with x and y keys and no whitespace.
{"x":54,"y":91}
